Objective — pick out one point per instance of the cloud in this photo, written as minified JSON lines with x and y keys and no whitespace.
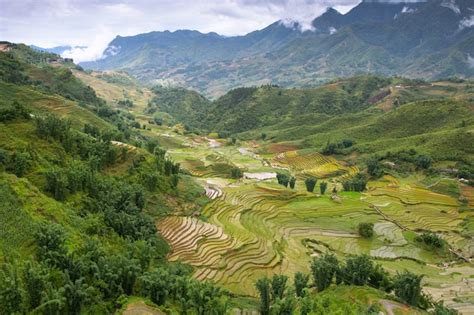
{"x":466,"y":22}
{"x":94,"y":23}
{"x":470,"y":61}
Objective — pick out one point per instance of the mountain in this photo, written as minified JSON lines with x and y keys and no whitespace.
{"x":430,"y":39}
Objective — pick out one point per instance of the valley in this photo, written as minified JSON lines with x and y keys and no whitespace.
{"x":253,"y":228}
{"x":122,"y":198}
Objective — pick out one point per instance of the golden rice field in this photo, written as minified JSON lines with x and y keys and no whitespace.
{"x":314,"y":164}
{"x":252,"y":228}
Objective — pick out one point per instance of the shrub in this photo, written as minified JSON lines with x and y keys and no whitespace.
{"x":366,"y":229}
{"x":310,"y":183}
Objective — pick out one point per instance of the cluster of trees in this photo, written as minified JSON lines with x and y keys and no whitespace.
{"x":430,"y":239}
{"x":286,"y":180}
{"x":337,"y":147}
{"x":276,"y":297}
{"x":16,"y":162}
{"x":125,"y":103}
{"x":356,"y":183}
{"x":61,"y":281}
{"x":14,"y":111}
{"x":310,"y":184}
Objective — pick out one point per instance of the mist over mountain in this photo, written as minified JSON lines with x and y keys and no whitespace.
{"x":415,"y":39}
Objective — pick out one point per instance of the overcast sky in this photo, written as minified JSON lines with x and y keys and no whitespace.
{"x":94,"y":23}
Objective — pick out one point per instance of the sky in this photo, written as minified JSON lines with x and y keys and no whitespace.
{"x":94,"y":23}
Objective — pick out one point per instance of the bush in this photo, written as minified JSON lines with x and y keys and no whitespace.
{"x":310,"y":183}
{"x":322,"y":187}
{"x":407,"y":287}
{"x":366,"y":229}
{"x":430,"y":239}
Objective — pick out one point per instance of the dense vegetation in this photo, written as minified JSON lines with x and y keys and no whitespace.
{"x":278,"y":297}
{"x":78,"y":210}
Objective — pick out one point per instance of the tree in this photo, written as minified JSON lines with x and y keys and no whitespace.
{"x":51,"y":240}
{"x":407,"y":287}
{"x":374,"y":168}
{"x":278,"y":286}
{"x":310,"y":183}
{"x":20,"y":163}
{"x":34,"y":278}
{"x":236,"y":173}
{"x":263,"y":287}
{"x":432,"y":240}
{"x":156,"y":285}
{"x":283,"y":179}
{"x":292,"y":182}
{"x":77,"y":293}
{"x":423,"y":161}
{"x":357,"y":270}
{"x":322,"y":187}
{"x":324,"y":269}
{"x":56,"y":183}
{"x":301,"y":283}
{"x":366,"y":229}
{"x":380,"y":279}
{"x":11,"y":292}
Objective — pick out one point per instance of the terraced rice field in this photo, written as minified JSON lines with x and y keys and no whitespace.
{"x":255,"y":227}
{"x":314,"y":164}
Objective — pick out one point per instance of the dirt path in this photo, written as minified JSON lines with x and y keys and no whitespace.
{"x":140,"y":308}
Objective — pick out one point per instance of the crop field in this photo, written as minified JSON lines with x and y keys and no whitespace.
{"x":314,"y":164}
{"x":254,"y":227}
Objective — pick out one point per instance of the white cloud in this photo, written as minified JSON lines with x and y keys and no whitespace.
{"x":451,"y":4}
{"x":466,"y":22}
{"x":470,"y":61}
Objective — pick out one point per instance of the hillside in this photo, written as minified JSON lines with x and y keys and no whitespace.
{"x":80,"y":191}
{"x":376,"y":114}
{"x":432,"y":39}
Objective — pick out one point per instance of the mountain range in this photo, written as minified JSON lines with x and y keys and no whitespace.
{"x":430,"y":39}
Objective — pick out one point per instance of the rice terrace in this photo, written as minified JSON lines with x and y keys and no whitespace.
{"x":258,"y":227}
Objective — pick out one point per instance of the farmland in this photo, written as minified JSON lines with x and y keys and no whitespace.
{"x":254,"y":228}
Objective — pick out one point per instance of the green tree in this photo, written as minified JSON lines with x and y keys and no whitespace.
{"x":301,"y":283}
{"x":11,"y":291}
{"x":380,"y":279}
{"x":263,"y":287}
{"x":324,"y":269}
{"x":236,"y":173}
{"x":374,"y":168}
{"x":77,"y":294}
{"x":407,"y":286}
{"x":51,"y":240}
{"x":357,"y":270}
{"x":278,"y":286}
{"x":310,"y":183}
{"x":156,"y":285}
{"x":34,"y":279}
{"x":56,"y":183}
{"x":322,"y":187}
{"x":366,"y":229}
{"x":20,"y":163}
{"x":423,"y":161}
{"x":283,"y":179}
